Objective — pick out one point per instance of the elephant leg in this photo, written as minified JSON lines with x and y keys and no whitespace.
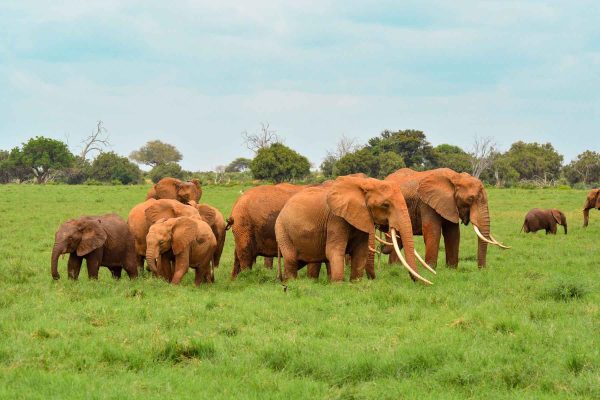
{"x":328,"y":267}
{"x":431,"y":235}
{"x":451,"y":234}
{"x":166,"y":268}
{"x":336,"y":255}
{"x":290,"y":268}
{"x":313,"y":270}
{"x":203,"y":275}
{"x":359,"y":260}
{"x":74,"y":266}
{"x":93,"y":265}
{"x":116,"y":272}
{"x":181,"y":268}
{"x":268,"y":262}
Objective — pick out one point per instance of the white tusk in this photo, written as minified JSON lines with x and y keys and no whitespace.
{"x":372,"y":250}
{"x":403,"y":261}
{"x":380,"y":240}
{"x":499,"y":244}
{"x":480,"y":235}
{"x":424,"y":263}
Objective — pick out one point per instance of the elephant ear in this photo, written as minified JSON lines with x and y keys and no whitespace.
{"x":159,"y":210}
{"x":207,"y":213}
{"x":184,"y":232}
{"x":346,"y":199}
{"x":438,"y":193}
{"x":93,"y":236}
{"x":557,"y":216}
{"x":196,"y":182}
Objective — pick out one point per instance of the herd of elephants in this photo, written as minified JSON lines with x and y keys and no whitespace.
{"x":337,"y":223}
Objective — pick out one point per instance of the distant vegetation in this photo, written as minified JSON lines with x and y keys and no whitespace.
{"x":44,"y":160}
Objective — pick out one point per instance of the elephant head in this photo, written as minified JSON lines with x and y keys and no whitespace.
{"x":166,"y":208}
{"x":460,"y":197}
{"x":187,"y":191}
{"x":367,"y":202}
{"x":592,"y":201}
{"x":80,"y":236}
{"x":174,"y":234}
{"x":560,"y":218}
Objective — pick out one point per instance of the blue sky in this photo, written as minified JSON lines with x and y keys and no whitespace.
{"x":198,"y":73}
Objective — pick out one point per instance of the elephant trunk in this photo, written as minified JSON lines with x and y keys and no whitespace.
{"x":153,"y":259}
{"x":564,"y":223}
{"x":586,"y":216}
{"x":57,"y":251}
{"x":482,"y":221}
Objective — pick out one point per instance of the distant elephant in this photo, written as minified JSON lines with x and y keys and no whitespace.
{"x":142,"y":216}
{"x":323,"y":224}
{"x":592,"y":201}
{"x":437,"y":201}
{"x":175,"y":189}
{"x":218,"y":225}
{"x":537,"y":219}
{"x":100,"y":240}
{"x":188,"y":241}
{"x":252,"y":221}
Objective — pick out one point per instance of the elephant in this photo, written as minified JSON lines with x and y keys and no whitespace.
{"x":323,"y":224}
{"x":537,"y":219}
{"x":101,"y":240}
{"x":252,"y":221}
{"x":188,"y":241}
{"x":592,"y":201}
{"x":218,"y":227}
{"x":437,"y":201}
{"x":142,"y":216}
{"x":173,"y":188}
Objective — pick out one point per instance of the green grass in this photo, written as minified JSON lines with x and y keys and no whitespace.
{"x":528,"y":326}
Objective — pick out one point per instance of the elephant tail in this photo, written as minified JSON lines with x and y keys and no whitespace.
{"x":524,"y":228}
{"x":279,"y":264}
{"x":229,"y":223}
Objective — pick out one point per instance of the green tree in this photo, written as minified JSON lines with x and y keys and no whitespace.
{"x":453,"y":157}
{"x":155,"y":153}
{"x":170,"y":169}
{"x":240,"y":164}
{"x":279,"y":163}
{"x":44,"y":156}
{"x":535,"y":161}
{"x":327,"y":166}
{"x":366,"y":161}
{"x":110,"y":167}
{"x":411,"y":145}
{"x":500,"y":173}
{"x":584,"y":169}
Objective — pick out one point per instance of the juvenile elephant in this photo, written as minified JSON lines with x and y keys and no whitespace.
{"x":323,"y":224}
{"x":537,"y":219}
{"x":592,"y":201}
{"x":175,"y":189}
{"x":253,"y":223}
{"x":100,"y":240}
{"x":437,"y":201}
{"x":142,"y":216}
{"x":188,"y":241}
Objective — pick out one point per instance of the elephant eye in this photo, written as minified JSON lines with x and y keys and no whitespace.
{"x":385,"y":205}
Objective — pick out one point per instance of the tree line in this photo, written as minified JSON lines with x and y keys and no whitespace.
{"x":43,"y":160}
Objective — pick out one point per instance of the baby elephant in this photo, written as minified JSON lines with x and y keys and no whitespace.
{"x":537,"y":219}
{"x":186,"y":241}
{"x":102,"y":241}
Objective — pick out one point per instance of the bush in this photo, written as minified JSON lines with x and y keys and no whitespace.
{"x":279,"y":163}
{"x":171,"y":169}
{"x":108,"y":167}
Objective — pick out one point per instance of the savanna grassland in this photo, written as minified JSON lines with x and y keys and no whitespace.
{"x":527,"y":326}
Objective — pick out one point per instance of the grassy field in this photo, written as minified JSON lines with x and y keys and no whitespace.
{"x":527,"y":326}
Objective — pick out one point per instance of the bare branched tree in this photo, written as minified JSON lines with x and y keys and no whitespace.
{"x":262,"y":139}
{"x":97,"y":141}
{"x":344,"y":146}
{"x":482,"y":155}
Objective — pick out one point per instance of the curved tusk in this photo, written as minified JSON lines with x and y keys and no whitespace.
{"x":480,"y":235}
{"x":424,"y":263}
{"x":380,"y":240}
{"x":372,"y":250}
{"x":502,"y":246}
{"x":412,"y":272}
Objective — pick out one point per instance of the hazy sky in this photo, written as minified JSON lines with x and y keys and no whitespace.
{"x":197,"y":73}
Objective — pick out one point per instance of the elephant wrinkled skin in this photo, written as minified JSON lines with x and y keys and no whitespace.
{"x":100,"y":240}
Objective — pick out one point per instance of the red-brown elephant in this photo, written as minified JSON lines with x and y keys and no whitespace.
{"x":175,"y":189}
{"x":323,"y":224}
{"x":437,"y":201}
{"x":592,"y":201}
